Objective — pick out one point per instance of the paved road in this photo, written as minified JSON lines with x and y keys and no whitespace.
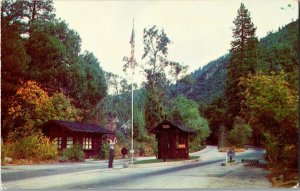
{"x":207,"y":173}
{"x":12,"y":173}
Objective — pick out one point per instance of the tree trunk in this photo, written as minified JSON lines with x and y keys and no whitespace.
{"x":33,"y":11}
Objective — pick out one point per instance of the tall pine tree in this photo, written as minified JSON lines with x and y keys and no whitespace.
{"x":243,"y":58}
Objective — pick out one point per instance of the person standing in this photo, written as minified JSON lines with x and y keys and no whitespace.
{"x":124,"y":151}
{"x":112,"y":142}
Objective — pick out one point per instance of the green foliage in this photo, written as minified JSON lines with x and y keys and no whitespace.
{"x":205,"y":84}
{"x":271,"y":108}
{"x":272,"y":96}
{"x":243,"y":58}
{"x":14,"y":60}
{"x":153,"y":108}
{"x":22,"y":14}
{"x":186,"y":111}
{"x":241,"y":132}
{"x":7,"y":150}
{"x":63,"y":109}
{"x":280,"y":153}
{"x":146,"y":148}
{"x":38,"y":47}
{"x":216,"y":114}
{"x":156,"y":68}
{"x":139,"y":125}
{"x":279,"y":50}
{"x":155,"y":51}
{"x":75,"y":153}
{"x":33,"y":147}
{"x":96,"y":84}
{"x":104,"y":151}
{"x":32,"y":106}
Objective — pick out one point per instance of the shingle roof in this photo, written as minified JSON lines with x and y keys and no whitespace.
{"x":79,"y":127}
{"x":177,"y":124}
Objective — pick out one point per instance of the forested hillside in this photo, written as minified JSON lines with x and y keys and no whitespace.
{"x":276,"y":51}
{"x":205,"y":84}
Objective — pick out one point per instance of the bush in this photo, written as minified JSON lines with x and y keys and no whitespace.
{"x":104,"y":150}
{"x":75,"y":153}
{"x":7,"y":150}
{"x":33,"y":147}
{"x":241,"y":132}
{"x":141,"y":149}
{"x":144,"y":149}
{"x":279,"y":153}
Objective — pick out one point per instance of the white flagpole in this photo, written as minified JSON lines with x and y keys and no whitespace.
{"x":132,"y":117}
{"x":132,"y":151}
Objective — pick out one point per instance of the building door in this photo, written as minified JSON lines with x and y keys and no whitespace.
{"x":164,"y":146}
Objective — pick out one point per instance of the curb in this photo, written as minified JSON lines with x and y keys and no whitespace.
{"x":159,"y":164}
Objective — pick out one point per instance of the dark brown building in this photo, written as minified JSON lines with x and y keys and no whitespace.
{"x":66,"y":133}
{"x":173,"y":140}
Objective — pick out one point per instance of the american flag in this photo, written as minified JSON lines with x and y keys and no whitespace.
{"x":132,"y":47}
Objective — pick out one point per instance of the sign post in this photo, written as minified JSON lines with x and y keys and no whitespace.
{"x":230,"y":154}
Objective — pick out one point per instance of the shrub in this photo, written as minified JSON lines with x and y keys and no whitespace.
{"x":33,"y":147}
{"x":241,"y":132}
{"x":280,"y":154}
{"x":141,"y":149}
{"x":104,"y":151}
{"x":144,"y":149}
{"x":75,"y":153}
{"x":7,"y":150}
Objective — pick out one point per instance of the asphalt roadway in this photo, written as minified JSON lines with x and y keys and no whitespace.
{"x":206,"y":173}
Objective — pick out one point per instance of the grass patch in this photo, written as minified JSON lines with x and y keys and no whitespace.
{"x":228,"y":161}
{"x":194,"y":157}
{"x":17,"y":162}
{"x":161,"y":160}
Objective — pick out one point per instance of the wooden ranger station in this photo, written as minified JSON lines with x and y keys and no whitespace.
{"x":66,"y":133}
{"x":173,"y":140}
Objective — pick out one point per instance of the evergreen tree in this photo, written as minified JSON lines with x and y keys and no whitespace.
{"x":243,"y":58}
{"x":22,"y":14}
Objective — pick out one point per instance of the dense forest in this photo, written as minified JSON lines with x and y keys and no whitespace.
{"x":249,"y":95}
{"x":44,"y":73}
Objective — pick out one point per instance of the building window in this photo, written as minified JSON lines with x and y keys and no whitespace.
{"x":69,"y":142}
{"x":87,"y":143}
{"x":58,"y":141}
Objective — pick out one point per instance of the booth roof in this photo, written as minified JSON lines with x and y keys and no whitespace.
{"x":79,"y":127}
{"x":177,"y":124}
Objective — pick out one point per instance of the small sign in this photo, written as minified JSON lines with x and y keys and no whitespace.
{"x":166,"y":126}
{"x":231,"y":153}
{"x":181,"y":146}
{"x":131,"y":151}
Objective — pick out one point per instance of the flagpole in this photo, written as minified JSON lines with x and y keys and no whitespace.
{"x":132,"y":117}
{"x":132,"y":151}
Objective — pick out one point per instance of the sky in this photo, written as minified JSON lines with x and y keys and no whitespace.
{"x":200,"y":30}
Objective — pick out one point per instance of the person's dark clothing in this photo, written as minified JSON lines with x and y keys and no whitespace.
{"x":111,"y":158}
{"x":124,"y":151}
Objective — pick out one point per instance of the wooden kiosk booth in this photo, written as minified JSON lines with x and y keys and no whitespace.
{"x":173,"y":140}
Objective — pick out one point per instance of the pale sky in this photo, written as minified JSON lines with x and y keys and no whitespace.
{"x":200,"y":30}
